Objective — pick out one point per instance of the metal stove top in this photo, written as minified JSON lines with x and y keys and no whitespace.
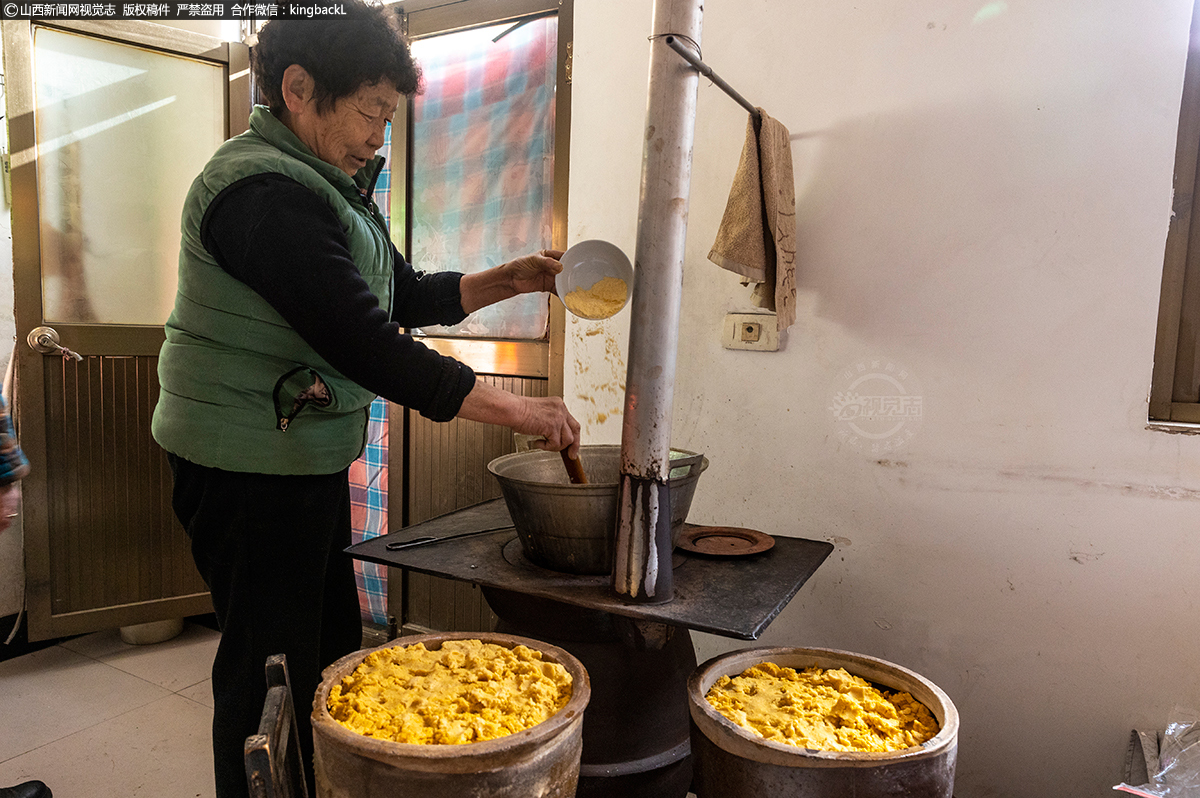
{"x":734,"y":597}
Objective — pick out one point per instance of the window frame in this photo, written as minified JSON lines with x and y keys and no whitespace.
{"x":1175,"y":385}
{"x":422,"y":18}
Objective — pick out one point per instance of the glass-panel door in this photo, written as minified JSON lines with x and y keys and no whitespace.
{"x":109,"y":123}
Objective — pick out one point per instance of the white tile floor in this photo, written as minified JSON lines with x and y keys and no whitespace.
{"x":94,"y":717}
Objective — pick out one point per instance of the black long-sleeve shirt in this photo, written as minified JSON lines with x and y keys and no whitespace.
{"x":285,"y":243}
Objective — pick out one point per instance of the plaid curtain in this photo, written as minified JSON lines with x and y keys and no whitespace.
{"x":483,"y":166}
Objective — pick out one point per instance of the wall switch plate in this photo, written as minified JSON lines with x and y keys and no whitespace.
{"x":755,"y":331}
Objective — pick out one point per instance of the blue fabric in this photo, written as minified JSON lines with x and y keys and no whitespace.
{"x":13,"y":465}
{"x":369,"y":512}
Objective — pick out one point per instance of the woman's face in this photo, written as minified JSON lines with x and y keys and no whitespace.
{"x":349,"y":134}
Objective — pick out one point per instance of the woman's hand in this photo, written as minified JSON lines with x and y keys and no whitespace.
{"x":548,"y":418}
{"x":524,"y":275}
{"x":544,"y":416}
{"x":534,"y":272}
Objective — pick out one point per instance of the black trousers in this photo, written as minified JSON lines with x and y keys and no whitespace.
{"x":269,"y":547}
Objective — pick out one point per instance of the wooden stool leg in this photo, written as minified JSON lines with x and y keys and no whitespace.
{"x":273,"y":765}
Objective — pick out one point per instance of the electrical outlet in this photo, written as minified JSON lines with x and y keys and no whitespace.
{"x":755,"y":331}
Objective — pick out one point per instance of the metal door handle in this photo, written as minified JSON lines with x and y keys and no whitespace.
{"x":45,"y":340}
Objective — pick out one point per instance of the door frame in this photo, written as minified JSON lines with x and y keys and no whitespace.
{"x":131,"y":340}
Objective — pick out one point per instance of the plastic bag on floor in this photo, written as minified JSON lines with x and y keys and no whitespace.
{"x":1171,"y":760}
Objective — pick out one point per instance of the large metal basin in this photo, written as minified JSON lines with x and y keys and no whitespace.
{"x":571,"y":528}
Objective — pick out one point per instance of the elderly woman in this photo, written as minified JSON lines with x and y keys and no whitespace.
{"x":287,"y":323}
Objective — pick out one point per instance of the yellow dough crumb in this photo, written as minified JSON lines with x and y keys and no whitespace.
{"x":465,"y":692}
{"x":825,"y":710}
{"x":600,"y":301}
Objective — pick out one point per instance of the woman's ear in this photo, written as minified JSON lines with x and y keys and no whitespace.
{"x":297,"y":88}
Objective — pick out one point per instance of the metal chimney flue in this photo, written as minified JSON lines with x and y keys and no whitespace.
{"x":642,"y":570}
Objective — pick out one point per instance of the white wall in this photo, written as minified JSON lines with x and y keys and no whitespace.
{"x":983,"y":192}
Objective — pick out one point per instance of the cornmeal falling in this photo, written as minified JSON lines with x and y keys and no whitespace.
{"x":466,"y":692}
{"x":600,"y":301}
{"x":825,"y":710}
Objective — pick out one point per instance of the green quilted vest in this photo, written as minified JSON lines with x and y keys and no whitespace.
{"x":233,"y":373}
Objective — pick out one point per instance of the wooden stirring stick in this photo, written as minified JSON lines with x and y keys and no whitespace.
{"x":574,"y":469}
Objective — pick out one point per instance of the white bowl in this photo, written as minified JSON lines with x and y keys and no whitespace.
{"x":589,"y":262}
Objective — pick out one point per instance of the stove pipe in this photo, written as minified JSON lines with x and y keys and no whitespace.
{"x":642,"y":571}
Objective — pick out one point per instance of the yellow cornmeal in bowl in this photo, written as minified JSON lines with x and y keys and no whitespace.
{"x":825,"y":710}
{"x":600,"y":301}
{"x":465,"y":692}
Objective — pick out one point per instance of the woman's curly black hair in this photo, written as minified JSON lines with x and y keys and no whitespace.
{"x":361,"y":48}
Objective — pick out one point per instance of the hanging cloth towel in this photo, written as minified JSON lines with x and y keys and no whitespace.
{"x":757,"y":236}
